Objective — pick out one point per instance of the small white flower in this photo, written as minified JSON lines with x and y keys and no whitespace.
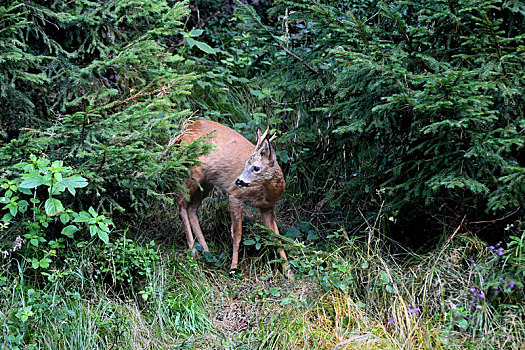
{"x":18,"y":244}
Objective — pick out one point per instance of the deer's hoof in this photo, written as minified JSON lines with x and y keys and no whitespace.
{"x":235,"y":273}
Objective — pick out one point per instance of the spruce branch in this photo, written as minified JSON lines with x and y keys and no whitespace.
{"x":496,"y":42}
{"x":299,"y":59}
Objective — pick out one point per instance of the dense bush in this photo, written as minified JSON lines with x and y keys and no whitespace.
{"x":99,"y":87}
{"x":92,"y":97}
{"x":416,"y":106}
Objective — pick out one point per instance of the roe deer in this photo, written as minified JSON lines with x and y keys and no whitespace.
{"x":249,"y":175}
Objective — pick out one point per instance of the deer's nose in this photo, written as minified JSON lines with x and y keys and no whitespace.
{"x":241,"y":183}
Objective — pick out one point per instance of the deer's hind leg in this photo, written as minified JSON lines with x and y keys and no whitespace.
{"x":188,"y":213}
{"x":183,"y":211}
{"x":193,"y":208}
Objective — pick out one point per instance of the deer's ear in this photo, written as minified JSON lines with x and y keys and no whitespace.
{"x":267,"y":151}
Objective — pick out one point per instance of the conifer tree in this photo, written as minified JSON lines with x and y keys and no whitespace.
{"x":417,"y":105}
{"x":98,"y":85}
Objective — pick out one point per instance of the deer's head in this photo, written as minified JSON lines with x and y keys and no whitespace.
{"x":261,"y":166}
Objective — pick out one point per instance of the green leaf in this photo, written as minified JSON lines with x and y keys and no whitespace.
{"x":292,"y":232}
{"x":82,"y":217}
{"x":69,"y":230}
{"x":385,"y":277}
{"x":104,"y":237}
{"x":32,"y":182}
{"x":275,"y":291}
{"x":196,"y":32}
{"x":53,"y":206}
{"x":92,"y":212}
{"x":7,"y":217}
{"x":71,"y":313}
{"x":45,"y":263}
{"x":209,"y":257}
{"x":199,"y":247}
{"x":462,"y":323}
{"x":203,"y":46}
{"x":58,"y":176}
{"x":35,"y":263}
{"x":93,"y":230}
{"x":103,"y":227}
{"x":73,"y":182}
{"x":305,"y":226}
{"x":287,"y":301}
{"x":312,"y":235}
{"x":259,"y":94}
{"x":64,"y":218}
{"x":57,"y":189}
{"x":191,"y":42}
{"x":249,"y":242}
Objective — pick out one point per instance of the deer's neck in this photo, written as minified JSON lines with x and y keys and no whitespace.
{"x":274,"y":188}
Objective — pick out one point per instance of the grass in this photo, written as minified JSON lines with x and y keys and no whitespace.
{"x":360,"y":295}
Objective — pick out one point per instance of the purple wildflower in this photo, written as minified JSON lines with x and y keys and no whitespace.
{"x":412,"y":310}
{"x":491,"y":247}
{"x":479,"y":307}
{"x":500,"y":251}
{"x":481,"y":295}
{"x":501,"y":279}
{"x":390,"y":320}
{"x":473,"y":290}
{"x":511,"y":284}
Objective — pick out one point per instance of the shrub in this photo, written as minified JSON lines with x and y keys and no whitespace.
{"x":39,"y":227}
{"x":99,"y":88}
{"x":420,"y":102}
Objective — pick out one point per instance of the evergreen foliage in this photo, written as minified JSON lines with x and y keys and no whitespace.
{"x":415,"y":104}
{"x":97,"y":86}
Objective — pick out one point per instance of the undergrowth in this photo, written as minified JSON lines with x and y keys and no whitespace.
{"x":364,"y":294}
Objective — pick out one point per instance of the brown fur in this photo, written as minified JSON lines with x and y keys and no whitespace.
{"x":222,"y":167}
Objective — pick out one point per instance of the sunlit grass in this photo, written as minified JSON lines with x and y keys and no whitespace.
{"x":357,"y":296}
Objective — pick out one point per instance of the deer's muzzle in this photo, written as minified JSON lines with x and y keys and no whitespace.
{"x":241,"y":183}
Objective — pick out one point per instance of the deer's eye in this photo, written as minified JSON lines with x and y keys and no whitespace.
{"x":256,"y":169}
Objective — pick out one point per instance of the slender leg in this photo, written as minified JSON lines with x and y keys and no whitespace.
{"x":196,"y":201}
{"x":236,"y":208}
{"x":187,"y":228}
{"x":185,"y":211}
{"x":270,"y":222}
{"x":194,"y":220}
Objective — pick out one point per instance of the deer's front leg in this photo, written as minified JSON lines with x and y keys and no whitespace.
{"x":236,"y":208}
{"x":270,"y":222}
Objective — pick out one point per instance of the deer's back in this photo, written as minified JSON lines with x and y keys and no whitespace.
{"x":225,"y":163}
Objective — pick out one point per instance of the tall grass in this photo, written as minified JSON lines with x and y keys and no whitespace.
{"x":370,"y":293}
{"x":79,"y":312}
{"x":364,"y":294}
